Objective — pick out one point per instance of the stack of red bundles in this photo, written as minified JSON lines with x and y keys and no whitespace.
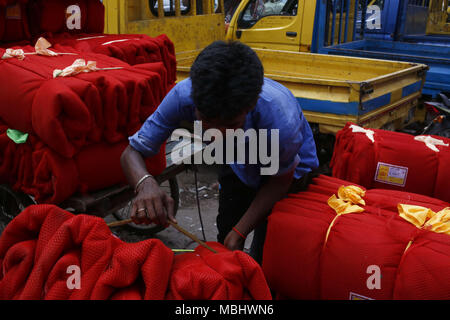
{"x":377,"y":158}
{"x":48,"y":253}
{"x":390,"y":245}
{"x":63,"y":132}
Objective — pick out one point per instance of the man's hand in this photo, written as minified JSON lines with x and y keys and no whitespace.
{"x":152,"y":204}
{"x":272,"y":191}
{"x":233,"y":241}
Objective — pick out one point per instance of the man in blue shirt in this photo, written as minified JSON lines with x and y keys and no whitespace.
{"x":227,"y":90}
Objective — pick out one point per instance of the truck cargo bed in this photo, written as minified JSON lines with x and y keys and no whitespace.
{"x":437,"y":57}
{"x":333,"y":90}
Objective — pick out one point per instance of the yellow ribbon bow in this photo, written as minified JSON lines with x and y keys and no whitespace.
{"x":426,"y":218}
{"x":349,"y":198}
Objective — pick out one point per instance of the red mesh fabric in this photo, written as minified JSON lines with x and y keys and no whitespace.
{"x":35,"y":169}
{"x":442,"y":186}
{"x":55,"y":178}
{"x":14,"y":20}
{"x":356,"y":242}
{"x":39,"y":245}
{"x":96,"y":10}
{"x":327,"y":257}
{"x":424,"y":270}
{"x":131,"y":48}
{"x":78,"y":125}
{"x":66,"y":113}
{"x":2,"y":20}
{"x":99,"y":166}
{"x":52,"y":15}
{"x":49,"y":17}
{"x":357,"y":159}
{"x":226,"y":275}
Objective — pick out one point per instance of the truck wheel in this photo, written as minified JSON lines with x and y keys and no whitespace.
{"x":171,"y":187}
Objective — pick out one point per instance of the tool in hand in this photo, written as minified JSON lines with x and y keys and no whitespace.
{"x":173,"y":224}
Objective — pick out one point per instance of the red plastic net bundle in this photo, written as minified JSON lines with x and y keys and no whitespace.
{"x":77,"y":125}
{"x":37,"y":170}
{"x":393,"y":160}
{"x":45,"y":249}
{"x":311,"y":252}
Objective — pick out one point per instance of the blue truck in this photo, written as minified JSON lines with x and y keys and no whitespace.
{"x":417,"y":21}
{"x":428,"y":50}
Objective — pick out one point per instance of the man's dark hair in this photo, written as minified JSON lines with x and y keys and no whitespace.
{"x":227,"y":78}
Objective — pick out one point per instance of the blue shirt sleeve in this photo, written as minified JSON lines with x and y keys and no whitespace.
{"x":176,"y":106}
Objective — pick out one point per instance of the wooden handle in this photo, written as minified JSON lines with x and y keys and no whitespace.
{"x":173,"y":224}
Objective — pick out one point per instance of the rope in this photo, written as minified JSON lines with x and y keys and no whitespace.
{"x":198,"y":204}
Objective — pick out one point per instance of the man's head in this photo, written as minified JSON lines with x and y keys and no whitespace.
{"x":227,"y":78}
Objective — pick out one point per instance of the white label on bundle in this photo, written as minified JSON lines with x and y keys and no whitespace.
{"x":74,"y":17}
{"x":391,"y":174}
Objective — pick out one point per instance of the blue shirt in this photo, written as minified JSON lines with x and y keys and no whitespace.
{"x":277,"y":108}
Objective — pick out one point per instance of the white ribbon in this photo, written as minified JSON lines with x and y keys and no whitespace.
{"x":431,"y":142}
{"x":367,"y":132}
{"x":79,"y":66}
{"x":88,"y":38}
{"x":40,"y":48}
{"x":120,"y":40}
{"x":11,"y":53}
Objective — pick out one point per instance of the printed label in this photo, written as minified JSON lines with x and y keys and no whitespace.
{"x":391,"y":174}
{"x":13,"y":12}
{"x":355,"y":296}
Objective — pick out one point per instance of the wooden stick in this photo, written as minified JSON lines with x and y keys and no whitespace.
{"x":190,"y":235}
{"x":173,"y":224}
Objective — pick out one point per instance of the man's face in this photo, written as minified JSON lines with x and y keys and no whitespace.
{"x":222,"y":125}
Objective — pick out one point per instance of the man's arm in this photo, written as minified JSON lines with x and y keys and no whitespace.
{"x":152,"y":204}
{"x":272,"y":191}
{"x":158,"y":204}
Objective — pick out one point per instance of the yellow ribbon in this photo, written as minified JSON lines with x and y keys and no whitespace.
{"x":347,"y":202}
{"x":425,"y":218}
{"x":349,"y":198}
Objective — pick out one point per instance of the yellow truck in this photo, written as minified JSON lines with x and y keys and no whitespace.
{"x":190,"y":24}
{"x":331,"y":89}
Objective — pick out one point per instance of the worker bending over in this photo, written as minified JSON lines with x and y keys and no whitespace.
{"x":227,"y":90}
